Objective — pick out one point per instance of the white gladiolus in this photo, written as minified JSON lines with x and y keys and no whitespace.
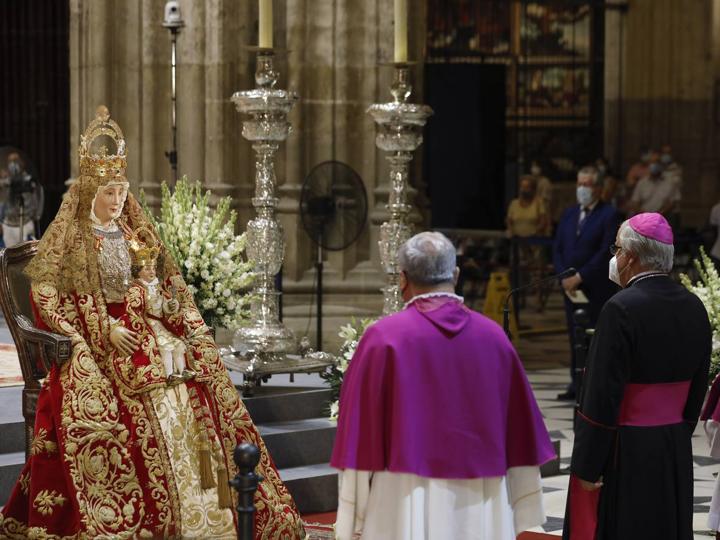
{"x":351,"y":334}
{"x":211,"y":255}
{"x":708,"y":291}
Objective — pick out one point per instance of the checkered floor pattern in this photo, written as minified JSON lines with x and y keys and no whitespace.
{"x":547,"y":383}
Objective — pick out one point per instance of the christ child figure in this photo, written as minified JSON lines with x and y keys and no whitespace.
{"x":159,"y":304}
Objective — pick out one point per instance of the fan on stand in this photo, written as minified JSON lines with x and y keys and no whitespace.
{"x":333,"y":209}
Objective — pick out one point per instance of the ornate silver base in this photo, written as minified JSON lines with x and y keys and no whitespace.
{"x":265,"y":333}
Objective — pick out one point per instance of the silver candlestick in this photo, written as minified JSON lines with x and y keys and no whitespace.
{"x":266,"y":126}
{"x":399,"y":132}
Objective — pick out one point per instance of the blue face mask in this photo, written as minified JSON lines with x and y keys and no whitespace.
{"x":666,"y":159}
{"x":584,"y":195}
{"x":655,"y":169}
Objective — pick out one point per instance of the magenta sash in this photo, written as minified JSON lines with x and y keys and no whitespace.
{"x":649,"y":405}
{"x":643,"y":405}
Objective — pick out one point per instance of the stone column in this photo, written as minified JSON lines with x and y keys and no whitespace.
{"x":120,"y":56}
{"x":667,"y":91}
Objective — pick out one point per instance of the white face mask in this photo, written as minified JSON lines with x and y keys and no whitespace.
{"x":584,"y":195}
{"x":614,"y":274}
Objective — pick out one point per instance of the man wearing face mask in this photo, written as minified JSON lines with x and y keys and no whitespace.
{"x":459,"y":462}
{"x":658,"y":192}
{"x":646,"y":376}
{"x":584,"y":232}
{"x":24,"y":202}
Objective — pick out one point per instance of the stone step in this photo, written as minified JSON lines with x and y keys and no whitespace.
{"x":299,"y":442}
{"x":286,"y":403}
{"x":10,"y":466}
{"x":314,"y":487}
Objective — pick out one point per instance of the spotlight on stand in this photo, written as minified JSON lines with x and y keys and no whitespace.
{"x":174,"y":22}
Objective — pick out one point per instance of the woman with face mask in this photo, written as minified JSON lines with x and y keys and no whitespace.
{"x":641,"y":394}
{"x":527,"y":217}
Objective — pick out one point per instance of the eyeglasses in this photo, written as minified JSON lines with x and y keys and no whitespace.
{"x":614,"y":249}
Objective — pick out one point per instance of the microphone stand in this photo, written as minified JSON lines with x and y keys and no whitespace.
{"x":506,"y":304}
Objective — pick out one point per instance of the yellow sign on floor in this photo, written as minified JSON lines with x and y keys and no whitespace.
{"x":497,"y":290}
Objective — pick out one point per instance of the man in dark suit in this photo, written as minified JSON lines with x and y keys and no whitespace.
{"x":582,"y":241}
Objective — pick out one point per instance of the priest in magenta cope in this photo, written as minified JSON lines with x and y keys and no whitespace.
{"x":439,"y":435}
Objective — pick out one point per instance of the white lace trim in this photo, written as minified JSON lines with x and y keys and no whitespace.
{"x":151,"y":286}
{"x":433,"y":295}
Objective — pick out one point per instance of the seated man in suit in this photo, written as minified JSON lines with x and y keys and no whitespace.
{"x":582,"y":241}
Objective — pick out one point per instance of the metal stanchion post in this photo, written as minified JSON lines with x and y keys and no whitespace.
{"x":246,"y":457}
{"x":582,"y":321}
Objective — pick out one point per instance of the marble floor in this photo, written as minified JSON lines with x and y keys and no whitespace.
{"x":547,"y":383}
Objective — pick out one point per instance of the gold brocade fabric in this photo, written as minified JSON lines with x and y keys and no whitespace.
{"x":200,"y":515}
{"x":123,"y":464}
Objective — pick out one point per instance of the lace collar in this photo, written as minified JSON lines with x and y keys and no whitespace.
{"x":434,"y":295}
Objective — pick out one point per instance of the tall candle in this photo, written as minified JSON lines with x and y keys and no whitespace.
{"x":401,"y":14}
{"x":266,"y":24}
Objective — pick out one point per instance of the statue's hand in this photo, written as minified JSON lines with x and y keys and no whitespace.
{"x":124,"y":340}
{"x":172,"y":307}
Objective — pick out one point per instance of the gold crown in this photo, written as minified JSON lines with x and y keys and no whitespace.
{"x":143,"y":251}
{"x":97,"y":162}
{"x":142,"y":255}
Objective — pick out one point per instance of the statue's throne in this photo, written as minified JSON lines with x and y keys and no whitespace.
{"x":37,"y":349}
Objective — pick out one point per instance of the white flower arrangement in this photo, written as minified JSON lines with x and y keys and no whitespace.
{"x":209,"y":254}
{"x":708,"y":290}
{"x":351,"y":334}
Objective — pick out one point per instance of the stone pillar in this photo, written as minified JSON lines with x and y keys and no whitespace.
{"x":120,"y":56}
{"x":666,"y":94}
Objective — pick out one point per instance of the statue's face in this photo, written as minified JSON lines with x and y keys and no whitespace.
{"x":109,"y":201}
{"x":147,"y":273}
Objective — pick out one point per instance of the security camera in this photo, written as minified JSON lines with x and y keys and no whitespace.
{"x":173,"y":17}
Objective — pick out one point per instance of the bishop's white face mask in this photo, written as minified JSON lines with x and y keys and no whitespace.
{"x":614,"y":274}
